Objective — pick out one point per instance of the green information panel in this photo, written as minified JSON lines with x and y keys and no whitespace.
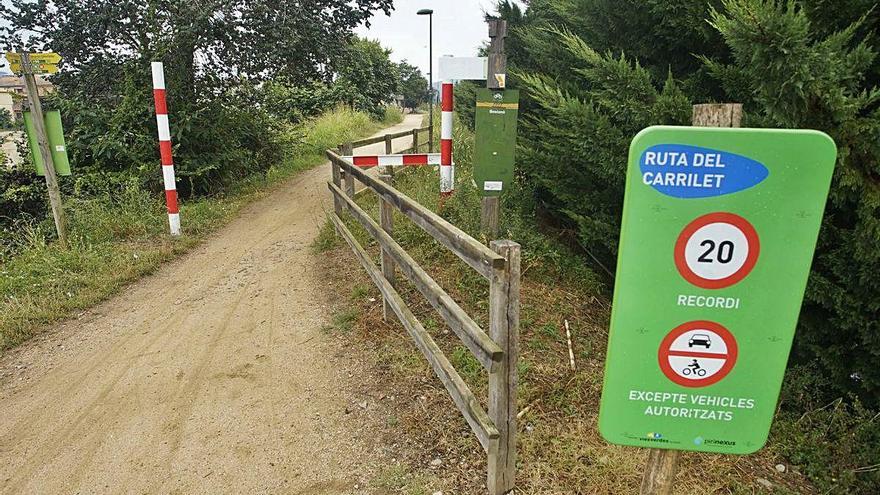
{"x":495,"y":129}
{"x":52,"y":118}
{"x":718,"y":233}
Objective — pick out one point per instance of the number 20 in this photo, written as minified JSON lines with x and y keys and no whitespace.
{"x":724,"y":255}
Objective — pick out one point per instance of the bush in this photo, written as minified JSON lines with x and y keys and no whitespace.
{"x":836,"y":444}
{"x":593,"y":73}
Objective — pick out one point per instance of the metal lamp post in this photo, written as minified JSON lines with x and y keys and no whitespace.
{"x":429,"y":13}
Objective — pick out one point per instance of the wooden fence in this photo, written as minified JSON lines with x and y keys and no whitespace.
{"x":497,"y":352}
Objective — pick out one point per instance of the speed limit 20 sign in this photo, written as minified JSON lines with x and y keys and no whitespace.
{"x":718,"y":232}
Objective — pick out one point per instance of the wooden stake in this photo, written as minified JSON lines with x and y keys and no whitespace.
{"x":660,"y":472}
{"x":504,"y":330}
{"x":36,"y":108}
{"x":497,"y":79}
{"x":570,"y":348}
{"x":489,"y":210}
{"x":662,"y":464}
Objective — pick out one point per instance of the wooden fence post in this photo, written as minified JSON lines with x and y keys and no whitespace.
{"x":662,"y":464}
{"x":336,"y":175}
{"x":504,"y":330}
{"x":415,"y":142}
{"x":386,"y":221}
{"x":388,"y":172}
{"x":347,"y":150}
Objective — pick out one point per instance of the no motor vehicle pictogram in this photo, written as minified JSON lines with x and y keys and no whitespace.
{"x":697,"y":353}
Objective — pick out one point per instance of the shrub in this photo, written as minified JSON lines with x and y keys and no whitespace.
{"x":593,"y":71}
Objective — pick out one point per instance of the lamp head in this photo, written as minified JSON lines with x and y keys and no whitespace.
{"x":425,"y":12}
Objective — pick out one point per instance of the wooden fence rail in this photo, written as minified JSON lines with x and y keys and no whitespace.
{"x":380,"y":139}
{"x":496,"y":351}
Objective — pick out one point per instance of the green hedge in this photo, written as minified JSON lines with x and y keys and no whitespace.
{"x":597,"y":71}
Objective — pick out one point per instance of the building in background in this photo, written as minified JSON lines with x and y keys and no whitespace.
{"x":12,"y":93}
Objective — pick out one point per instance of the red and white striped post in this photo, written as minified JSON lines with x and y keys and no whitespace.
{"x":447,"y":169}
{"x":165,"y":147}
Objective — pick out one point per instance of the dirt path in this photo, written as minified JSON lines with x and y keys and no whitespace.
{"x":211,"y":376}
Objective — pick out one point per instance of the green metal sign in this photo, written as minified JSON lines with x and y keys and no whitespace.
{"x":57,"y":145}
{"x":718,"y":233}
{"x":495,"y":130}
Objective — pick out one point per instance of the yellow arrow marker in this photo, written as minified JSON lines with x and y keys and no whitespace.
{"x":13,"y":58}
{"x":45,"y":58}
{"x":44,"y":68}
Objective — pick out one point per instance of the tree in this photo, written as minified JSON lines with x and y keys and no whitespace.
{"x":6,"y":121}
{"x":212,"y":50}
{"x":369,"y":75}
{"x":258,"y":39}
{"x":413,"y":85}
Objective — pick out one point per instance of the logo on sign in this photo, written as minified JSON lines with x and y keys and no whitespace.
{"x":683,"y":171}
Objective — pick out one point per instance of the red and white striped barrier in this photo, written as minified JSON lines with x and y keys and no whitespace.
{"x":165,"y":147}
{"x":447,"y":169}
{"x":416,"y":160}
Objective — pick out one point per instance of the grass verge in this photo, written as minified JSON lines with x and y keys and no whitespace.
{"x":829,"y":449}
{"x":116,"y":240}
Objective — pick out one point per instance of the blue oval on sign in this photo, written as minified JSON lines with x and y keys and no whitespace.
{"x":683,"y":171}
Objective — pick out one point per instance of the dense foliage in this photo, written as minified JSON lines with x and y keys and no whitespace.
{"x":6,"y":121}
{"x":367,"y":76}
{"x":240,"y":76}
{"x":413,"y":85}
{"x":597,"y":72}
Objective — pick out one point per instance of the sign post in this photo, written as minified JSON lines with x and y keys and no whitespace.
{"x":496,"y":80}
{"x":717,"y":238}
{"x":27,"y":70}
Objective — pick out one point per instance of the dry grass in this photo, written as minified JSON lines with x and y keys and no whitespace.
{"x":560,"y":450}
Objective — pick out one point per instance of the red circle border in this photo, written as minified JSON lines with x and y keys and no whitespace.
{"x":729,"y":339}
{"x":751,"y":260}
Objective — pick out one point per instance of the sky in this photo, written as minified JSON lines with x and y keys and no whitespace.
{"x":459,"y":29}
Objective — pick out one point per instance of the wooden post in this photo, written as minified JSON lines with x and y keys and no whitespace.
{"x":415,"y":144}
{"x":659,"y":476}
{"x":497,"y":79}
{"x":504,"y":330}
{"x":489,"y":210}
{"x":336,"y":175}
{"x":36,"y":108}
{"x":660,"y":472}
{"x":386,"y":221}
{"x":348,"y":150}
{"x":717,"y":115}
{"x":388,"y":172}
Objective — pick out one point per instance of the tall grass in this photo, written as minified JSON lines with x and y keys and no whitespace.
{"x":118,"y":237}
{"x":393,"y":115}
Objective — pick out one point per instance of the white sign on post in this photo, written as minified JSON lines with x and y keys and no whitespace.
{"x":464,"y":68}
